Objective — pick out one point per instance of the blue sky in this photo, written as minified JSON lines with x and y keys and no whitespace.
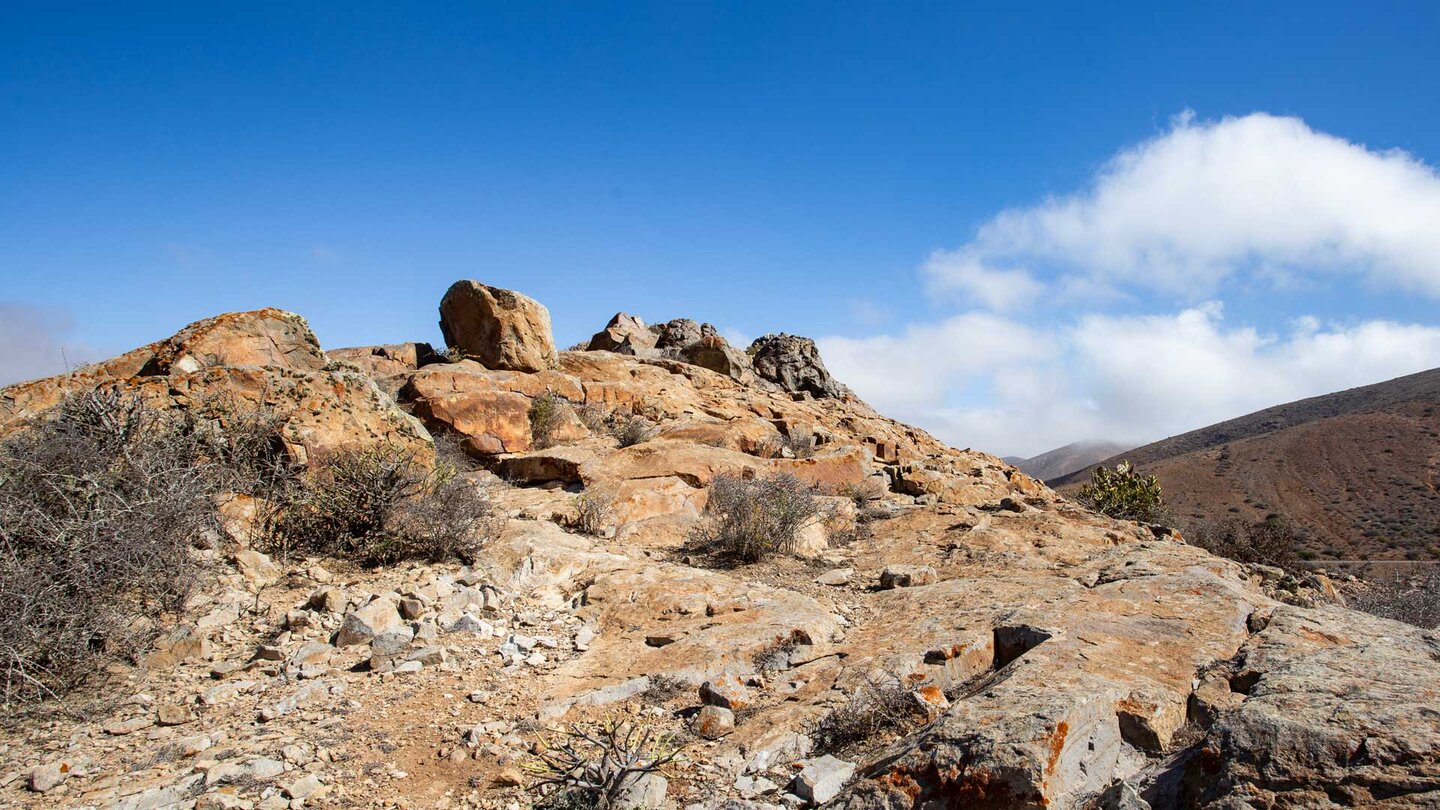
{"x":764,"y":167}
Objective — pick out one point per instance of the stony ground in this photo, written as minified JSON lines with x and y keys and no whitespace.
{"x":1023,"y":651}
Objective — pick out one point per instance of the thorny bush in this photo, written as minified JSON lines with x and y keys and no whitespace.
{"x":381,"y":504}
{"x":750,"y":519}
{"x":99,"y":502}
{"x":594,"y":765}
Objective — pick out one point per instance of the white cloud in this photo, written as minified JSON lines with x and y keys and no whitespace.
{"x":1129,"y":378}
{"x":1183,"y":212}
{"x":919,"y":370}
{"x":964,"y":276}
{"x":35,"y":343}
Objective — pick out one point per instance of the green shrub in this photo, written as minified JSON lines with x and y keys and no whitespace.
{"x":1125,"y":494}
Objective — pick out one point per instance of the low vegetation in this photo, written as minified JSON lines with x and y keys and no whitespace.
{"x":1410,"y":599}
{"x":593,"y":514}
{"x":1272,"y":541}
{"x":1123,"y":493}
{"x":632,"y":431}
{"x":751,"y":519}
{"x":102,"y":499}
{"x":880,"y":706}
{"x":380,"y":504}
{"x":547,"y":414}
{"x":99,"y":504}
{"x":594,"y":765}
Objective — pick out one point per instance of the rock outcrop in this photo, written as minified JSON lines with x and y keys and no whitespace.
{"x":1029,"y":653}
{"x":265,"y":359}
{"x":794,"y":364}
{"x":500,"y":328}
{"x":625,"y":334}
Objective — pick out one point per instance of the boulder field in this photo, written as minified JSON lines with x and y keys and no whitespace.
{"x":1053,"y":657}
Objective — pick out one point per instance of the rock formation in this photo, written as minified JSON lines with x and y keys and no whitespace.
{"x":500,"y":328}
{"x":1028,"y":653}
{"x":267,"y":358}
{"x":794,"y":364}
{"x":625,"y":334}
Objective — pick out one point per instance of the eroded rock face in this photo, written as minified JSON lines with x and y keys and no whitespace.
{"x":501,"y":328}
{"x":794,"y":364}
{"x":714,"y":353}
{"x":624,"y":334}
{"x":682,"y":332}
{"x":263,"y":359}
{"x":1337,"y":707}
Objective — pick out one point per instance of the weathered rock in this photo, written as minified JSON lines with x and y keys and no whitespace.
{"x":368,"y":621}
{"x":681,"y":333}
{"x":390,"y":360}
{"x":906,"y":576}
{"x":1339,"y":707}
{"x":821,"y":779}
{"x":646,"y":791}
{"x":725,"y":691}
{"x":713,"y":722}
{"x":500,"y":328}
{"x":714,"y":353}
{"x":624,"y":334}
{"x":45,"y":778}
{"x":794,"y":364}
{"x":327,"y":598}
{"x":266,"y":358}
{"x":257,"y":568}
{"x":174,"y":714}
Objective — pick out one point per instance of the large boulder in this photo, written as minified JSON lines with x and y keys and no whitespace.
{"x":501,"y":328}
{"x":624,"y":334}
{"x":682,"y":332}
{"x":794,"y":364}
{"x":714,"y":353}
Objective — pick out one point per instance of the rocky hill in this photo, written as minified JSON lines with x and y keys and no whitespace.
{"x":1355,"y":470}
{"x":1065,"y":460}
{"x":948,"y":633}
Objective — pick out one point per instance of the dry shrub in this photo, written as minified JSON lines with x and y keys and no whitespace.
{"x":99,"y":503}
{"x":547,"y":412}
{"x":633,"y":431}
{"x":863,"y":493}
{"x":593,"y":514}
{"x":881,"y":705}
{"x":595,"y":417}
{"x":1413,"y":600}
{"x":594,"y":765}
{"x":380,"y":504}
{"x":749,"y":520}
{"x":1272,"y":541}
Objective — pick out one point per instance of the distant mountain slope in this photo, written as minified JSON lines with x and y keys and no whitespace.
{"x":1067,"y":459}
{"x":1357,"y":469}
